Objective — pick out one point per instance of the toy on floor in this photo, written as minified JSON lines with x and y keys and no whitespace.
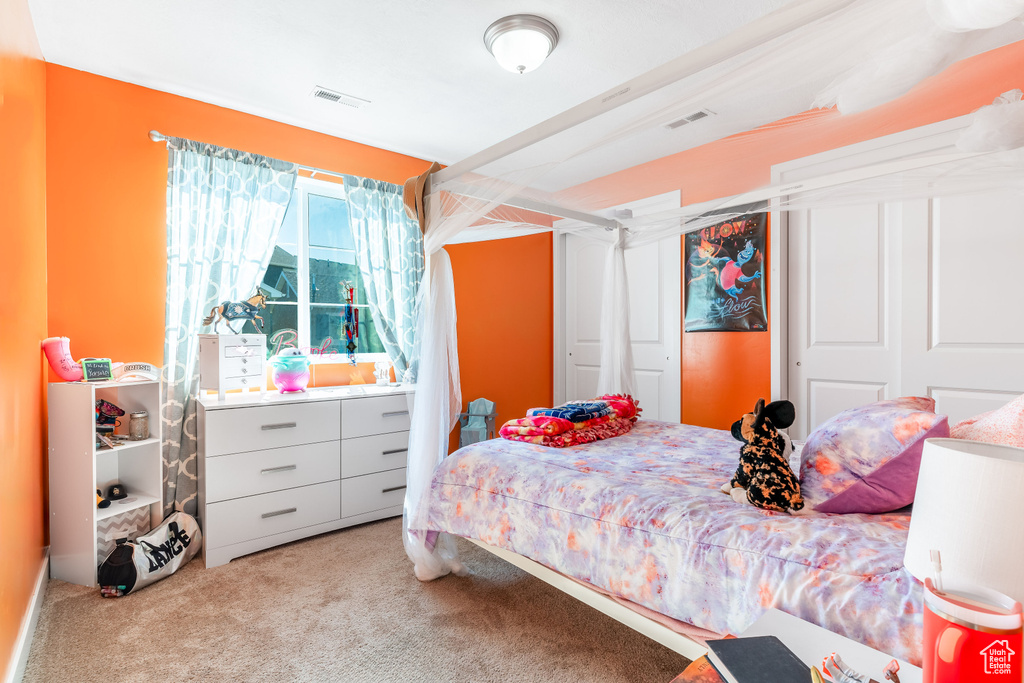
{"x":764,"y":478}
{"x":238,"y":310}
{"x":477,"y":423}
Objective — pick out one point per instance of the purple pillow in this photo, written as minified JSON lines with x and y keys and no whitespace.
{"x":866,"y":459}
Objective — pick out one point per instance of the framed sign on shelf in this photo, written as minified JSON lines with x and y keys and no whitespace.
{"x":97,"y":369}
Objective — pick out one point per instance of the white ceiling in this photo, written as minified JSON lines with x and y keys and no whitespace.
{"x":435,"y":91}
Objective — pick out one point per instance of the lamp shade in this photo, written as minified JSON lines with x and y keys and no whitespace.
{"x":969,"y":506}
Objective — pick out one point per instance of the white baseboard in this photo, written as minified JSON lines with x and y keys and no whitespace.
{"x":16,"y":667}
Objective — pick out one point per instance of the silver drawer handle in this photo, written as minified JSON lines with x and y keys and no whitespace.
{"x":397,"y":413}
{"x":282,"y":468}
{"x":397,"y":450}
{"x":279,"y":425}
{"x":393,"y":488}
{"x":278,"y":513}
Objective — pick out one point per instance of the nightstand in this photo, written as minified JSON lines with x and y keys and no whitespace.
{"x":810,"y":643}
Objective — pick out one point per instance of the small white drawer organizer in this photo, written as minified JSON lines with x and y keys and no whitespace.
{"x":232,"y":361}
{"x":275,"y":468}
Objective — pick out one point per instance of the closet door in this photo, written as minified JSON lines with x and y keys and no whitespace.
{"x":653,"y":274}
{"x":584,"y":271}
{"x":914,"y":298}
{"x":963,"y":334}
{"x":844,"y":310}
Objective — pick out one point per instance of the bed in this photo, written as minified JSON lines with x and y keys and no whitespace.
{"x":641,"y":516}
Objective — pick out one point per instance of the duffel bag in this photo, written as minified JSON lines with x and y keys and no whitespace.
{"x":134,"y":565}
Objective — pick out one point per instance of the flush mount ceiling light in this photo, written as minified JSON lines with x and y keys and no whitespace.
{"x":521,"y":42}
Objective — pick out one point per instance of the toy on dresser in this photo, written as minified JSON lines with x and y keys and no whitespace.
{"x":238,"y":310}
{"x":290,"y":370}
{"x":382,"y":372}
{"x":764,"y":477}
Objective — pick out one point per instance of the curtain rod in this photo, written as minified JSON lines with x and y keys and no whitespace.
{"x":157,"y":136}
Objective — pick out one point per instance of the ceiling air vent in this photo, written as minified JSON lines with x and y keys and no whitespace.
{"x":338,"y":97}
{"x":690,"y":118}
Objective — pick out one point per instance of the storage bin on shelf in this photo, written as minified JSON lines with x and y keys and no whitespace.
{"x":128,"y":525}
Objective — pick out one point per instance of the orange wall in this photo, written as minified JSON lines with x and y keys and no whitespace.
{"x":724,"y":373}
{"x":503,"y":291}
{"x":106,"y":183}
{"x":22,"y":317}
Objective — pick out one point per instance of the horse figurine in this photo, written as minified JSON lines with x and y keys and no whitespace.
{"x":234,"y":310}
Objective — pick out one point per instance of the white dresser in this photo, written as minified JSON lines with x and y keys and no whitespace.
{"x":276,"y":468}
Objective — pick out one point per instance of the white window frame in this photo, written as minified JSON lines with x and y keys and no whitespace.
{"x":304,"y":186}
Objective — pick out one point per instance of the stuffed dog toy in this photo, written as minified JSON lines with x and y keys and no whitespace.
{"x":764,"y":478}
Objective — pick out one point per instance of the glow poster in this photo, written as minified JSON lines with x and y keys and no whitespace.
{"x":725,"y":276}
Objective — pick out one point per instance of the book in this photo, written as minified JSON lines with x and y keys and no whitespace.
{"x":760,"y":659}
{"x":699,"y":671}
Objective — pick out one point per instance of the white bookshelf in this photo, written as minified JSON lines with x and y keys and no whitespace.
{"x":77,"y":468}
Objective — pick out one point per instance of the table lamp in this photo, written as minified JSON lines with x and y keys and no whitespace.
{"x":966,"y":544}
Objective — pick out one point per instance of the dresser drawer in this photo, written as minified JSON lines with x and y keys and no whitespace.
{"x":242,"y":367}
{"x":369,"y":454}
{"x":230,"y":383}
{"x":242,"y":346}
{"x":243,"y":519}
{"x":376,"y":415}
{"x":237,"y":430}
{"x":248,"y":474}
{"x":372,"y":492}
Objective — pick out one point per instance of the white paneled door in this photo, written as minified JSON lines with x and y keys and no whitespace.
{"x":964,"y":330}
{"x":844,"y":310}
{"x":906,"y":298}
{"x":653,"y":272}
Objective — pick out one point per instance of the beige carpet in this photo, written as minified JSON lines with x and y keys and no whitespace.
{"x":339,"y":607}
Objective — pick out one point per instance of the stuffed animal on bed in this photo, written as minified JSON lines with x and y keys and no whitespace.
{"x":764,"y":478}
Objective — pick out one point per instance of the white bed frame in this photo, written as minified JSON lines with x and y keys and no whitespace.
{"x":663,"y":635}
{"x":755,"y":33}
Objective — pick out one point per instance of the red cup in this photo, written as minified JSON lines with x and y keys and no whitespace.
{"x":971,"y":635}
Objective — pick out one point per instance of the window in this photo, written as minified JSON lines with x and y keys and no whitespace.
{"x":313,"y":257}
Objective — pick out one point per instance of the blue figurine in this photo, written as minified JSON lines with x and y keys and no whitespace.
{"x":239,"y":310}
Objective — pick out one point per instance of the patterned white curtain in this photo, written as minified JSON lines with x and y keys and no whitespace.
{"x":389,"y":251}
{"x":224,"y":210}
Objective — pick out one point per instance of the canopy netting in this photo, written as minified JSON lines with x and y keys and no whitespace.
{"x":851,"y":54}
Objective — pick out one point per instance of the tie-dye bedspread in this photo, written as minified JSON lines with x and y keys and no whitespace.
{"x":641,"y":515}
